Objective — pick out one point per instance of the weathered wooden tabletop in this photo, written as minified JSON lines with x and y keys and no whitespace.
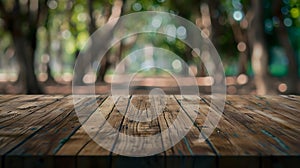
{"x":44,"y":131}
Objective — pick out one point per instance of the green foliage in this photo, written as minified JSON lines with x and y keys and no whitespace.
{"x":67,"y":29}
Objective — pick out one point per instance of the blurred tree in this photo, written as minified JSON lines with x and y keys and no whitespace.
{"x":116,"y":11}
{"x":50,"y":78}
{"x":236,"y":27}
{"x":239,"y":25}
{"x":285,"y":41}
{"x":111,"y":12}
{"x":259,"y":54}
{"x":22,"y":19}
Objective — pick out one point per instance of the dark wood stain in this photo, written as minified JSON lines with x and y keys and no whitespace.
{"x":254,"y":131}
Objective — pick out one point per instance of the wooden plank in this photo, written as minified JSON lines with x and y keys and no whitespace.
{"x":27,"y":128}
{"x":201,"y":117}
{"x":7,"y":98}
{"x":277,"y":109}
{"x":277,"y":104}
{"x":63,"y":123}
{"x":282,"y":119}
{"x":11,"y":103}
{"x":190,"y":151}
{"x":17,"y":110}
{"x":283,"y":131}
{"x":78,"y":141}
{"x":13,"y":133}
{"x":55,"y":116}
{"x":251,"y":130}
{"x":190,"y":105}
{"x":267,"y":138}
{"x":292,"y":98}
{"x":244,"y":131}
{"x":232,"y":138}
{"x":115,"y":118}
{"x":74,"y":144}
{"x":140,"y":122}
{"x":92,"y":154}
{"x":138,"y":109}
{"x":54,"y":134}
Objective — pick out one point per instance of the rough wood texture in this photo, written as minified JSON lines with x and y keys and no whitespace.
{"x":44,"y":131}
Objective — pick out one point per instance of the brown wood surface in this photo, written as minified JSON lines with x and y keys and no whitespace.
{"x":44,"y":131}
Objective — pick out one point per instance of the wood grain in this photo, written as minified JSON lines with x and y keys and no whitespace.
{"x":45,"y":131}
{"x":62,"y":122}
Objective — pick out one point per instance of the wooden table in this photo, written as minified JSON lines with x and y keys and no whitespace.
{"x":44,"y":131}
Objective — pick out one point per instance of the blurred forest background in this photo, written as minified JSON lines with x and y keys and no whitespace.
{"x":258,"y":41}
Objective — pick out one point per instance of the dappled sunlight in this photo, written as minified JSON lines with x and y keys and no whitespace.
{"x":8,"y":77}
{"x":257,"y":43}
{"x":89,"y":78}
{"x":3,"y":77}
{"x":193,"y":70}
{"x":242,"y":79}
{"x":42,"y":77}
{"x":282,"y":87}
{"x":242,"y":46}
{"x":67,"y":77}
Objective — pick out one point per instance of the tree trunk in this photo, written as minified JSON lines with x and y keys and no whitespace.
{"x":240,"y":37}
{"x":92,"y":25}
{"x":243,"y":60}
{"x":23,"y":26}
{"x":292,"y":81}
{"x":259,"y":55}
{"x":104,"y":65}
{"x":25,"y":56}
{"x":84,"y":65}
{"x":285,"y":42}
{"x":50,"y":79}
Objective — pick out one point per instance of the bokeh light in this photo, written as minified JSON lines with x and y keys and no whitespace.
{"x":282,"y":87}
